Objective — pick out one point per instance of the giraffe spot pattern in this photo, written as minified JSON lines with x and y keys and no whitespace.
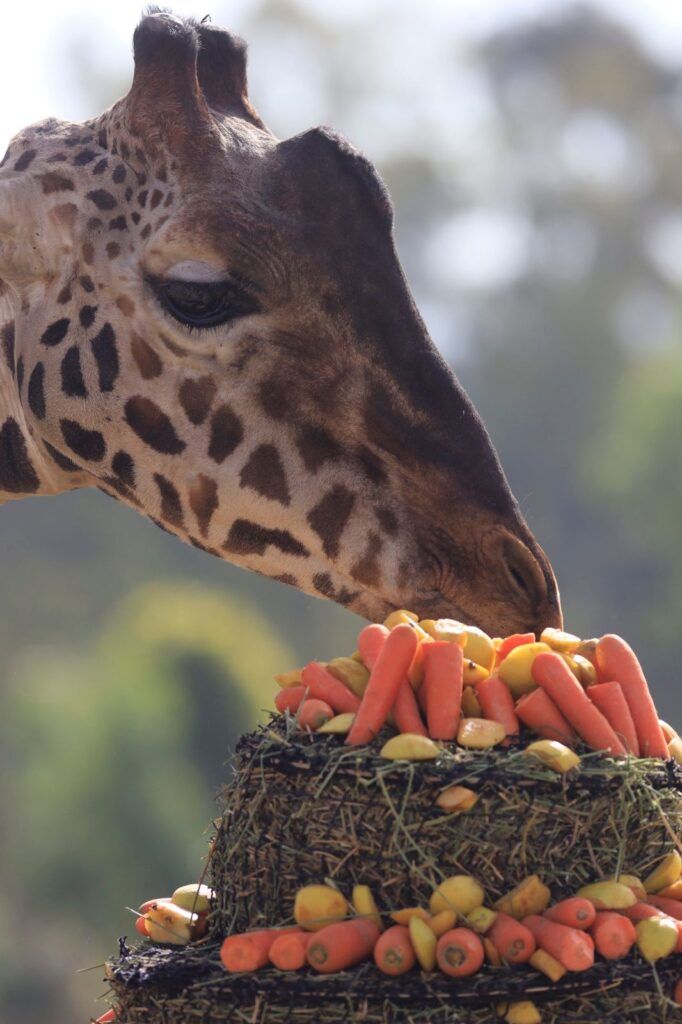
{"x":65,"y":295}
{"x":87,"y":316}
{"x":249,"y":538}
{"x":367,"y":570}
{"x":387,"y":520}
{"x":196,"y":398}
{"x":330,"y":516}
{"x":52,"y":182}
{"x":25,"y":160}
{"x":152,"y":425}
{"x":85,"y":281}
{"x":106,"y":356}
{"x":113,"y":250}
{"x":123,"y":466}
{"x":102,"y":199}
{"x":227,"y":433}
{"x":86,"y":156}
{"x":148,"y":362}
{"x":60,"y":460}
{"x":171,"y":506}
{"x":264,"y":473}
{"x":324,"y":585}
{"x":371,"y":465}
{"x":55,"y":333}
{"x":7,"y":339}
{"x":17,"y":473}
{"x":203,"y":500}
{"x":36,"y":391}
{"x":71,"y":371}
{"x":88,"y":444}
{"x":316,"y":446}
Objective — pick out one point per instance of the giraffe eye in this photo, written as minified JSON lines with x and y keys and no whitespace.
{"x":203,"y":304}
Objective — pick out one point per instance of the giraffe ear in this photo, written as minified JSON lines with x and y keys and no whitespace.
{"x":222,"y":73}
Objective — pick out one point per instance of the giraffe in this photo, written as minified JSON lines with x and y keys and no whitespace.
{"x":212,"y":326}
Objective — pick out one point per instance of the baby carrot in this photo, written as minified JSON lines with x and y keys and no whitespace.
{"x":514,"y":942}
{"x":370,"y":642}
{"x":290,"y":699}
{"x":110,"y":1017}
{"x":322,"y":685}
{"x":313,"y":714}
{"x":640,"y":912}
{"x":388,"y":673}
{"x":460,"y":952}
{"x":610,"y":700}
{"x":576,"y":912}
{"x":551,"y":672}
{"x":616,"y":660}
{"x":443,"y":667}
{"x":539,"y":712}
{"x":288,"y":951}
{"x":406,"y":711}
{"x":342,"y":945}
{"x":141,"y":926}
{"x":572,"y":948}
{"x":614,"y":935}
{"x":393,"y":953}
{"x":673,"y":908}
{"x":248,"y":951}
{"x":510,"y":642}
{"x":498,"y":703}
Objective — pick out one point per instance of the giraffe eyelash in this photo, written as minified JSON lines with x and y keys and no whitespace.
{"x":202,"y":305}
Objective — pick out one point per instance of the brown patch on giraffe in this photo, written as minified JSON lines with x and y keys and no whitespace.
{"x":17,"y":473}
{"x":36,"y":391}
{"x":227,"y":433}
{"x":387,"y":520}
{"x":87,"y":316}
{"x":60,"y":460}
{"x":106,"y":356}
{"x":324,"y":585}
{"x":65,"y":295}
{"x":196,"y":396}
{"x":102,"y":199}
{"x":367,"y":569}
{"x":148,"y":362}
{"x":52,"y":182}
{"x":88,"y":251}
{"x":88,"y":444}
{"x":26,"y":159}
{"x":371,"y":464}
{"x":286,"y":578}
{"x":7,"y":339}
{"x":330,"y":516}
{"x":274,"y":398}
{"x":265,"y":474}
{"x":55,"y":332}
{"x":71,"y":371}
{"x":65,"y":214}
{"x":123,"y":466}
{"x":203,"y":500}
{"x":152,"y":425}
{"x":126,"y":305}
{"x":156,"y":198}
{"x":316,"y":447}
{"x":86,"y":284}
{"x":113,"y":250}
{"x":118,"y":223}
{"x":171,"y":506}
{"x":249,"y":538}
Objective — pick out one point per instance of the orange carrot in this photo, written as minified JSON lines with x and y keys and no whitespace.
{"x":388,"y":673}
{"x":370,"y":641}
{"x":677,"y":995}
{"x":394,"y":953}
{"x":498,"y":703}
{"x":640,"y":912}
{"x":110,"y":1017}
{"x":248,"y":951}
{"x":460,"y":951}
{"x":610,"y":700}
{"x":290,"y":699}
{"x":575,"y":912}
{"x":510,"y":642}
{"x":514,"y":942}
{"x":406,"y":711}
{"x":614,"y":935}
{"x":616,"y":660}
{"x":572,"y":948}
{"x":314,"y":713}
{"x":141,"y":926}
{"x":551,"y":672}
{"x":443,"y":667}
{"x":415,"y":672}
{"x":342,"y":945}
{"x":672,"y":908}
{"x":322,"y":685}
{"x":288,"y":951}
{"x":539,"y":712}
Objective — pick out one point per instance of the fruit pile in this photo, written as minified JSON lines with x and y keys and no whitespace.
{"x":439,"y":680}
{"x":458,"y":933}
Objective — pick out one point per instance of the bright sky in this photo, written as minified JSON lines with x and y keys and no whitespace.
{"x":35,"y":80}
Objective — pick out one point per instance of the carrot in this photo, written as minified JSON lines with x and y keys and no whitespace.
{"x":572,"y":948}
{"x":110,"y":1017}
{"x":551,"y":672}
{"x":610,"y":700}
{"x":539,"y":712}
{"x":406,"y":711}
{"x":514,"y":942}
{"x":141,"y":926}
{"x":314,"y":713}
{"x":614,"y":935}
{"x":288,"y":951}
{"x":460,"y":952}
{"x":322,"y":685}
{"x":640,"y":912}
{"x":370,"y":642}
{"x":248,"y":951}
{"x":672,"y":908}
{"x":576,"y":912}
{"x":498,"y":703}
{"x":677,"y":995}
{"x":290,"y":699}
{"x":443,"y":667}
{"x":672,"y":892}
{"x":388,"y":673}
{"x":342,"y":945}
{"x":515,"y":640}
{"x":393,"y":953}
{"x":415,"y":672}
{"x":616,"y":660}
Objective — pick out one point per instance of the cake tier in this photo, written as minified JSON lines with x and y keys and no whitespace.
{"x":305,"y":808}
{"x":166,"y":986}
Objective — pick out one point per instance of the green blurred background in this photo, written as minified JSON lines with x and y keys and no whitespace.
{"x":534,"y":155}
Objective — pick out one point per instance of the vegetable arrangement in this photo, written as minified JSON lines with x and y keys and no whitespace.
{"x":439,"y":681}
{"x":458,"y":934}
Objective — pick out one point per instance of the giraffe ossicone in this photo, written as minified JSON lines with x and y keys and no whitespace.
{"x":212,"y":326}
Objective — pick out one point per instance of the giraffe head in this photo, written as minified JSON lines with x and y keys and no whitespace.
{"x":212,"y":326}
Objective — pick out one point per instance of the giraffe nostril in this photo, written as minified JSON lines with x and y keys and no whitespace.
{"x":523,"y":572}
